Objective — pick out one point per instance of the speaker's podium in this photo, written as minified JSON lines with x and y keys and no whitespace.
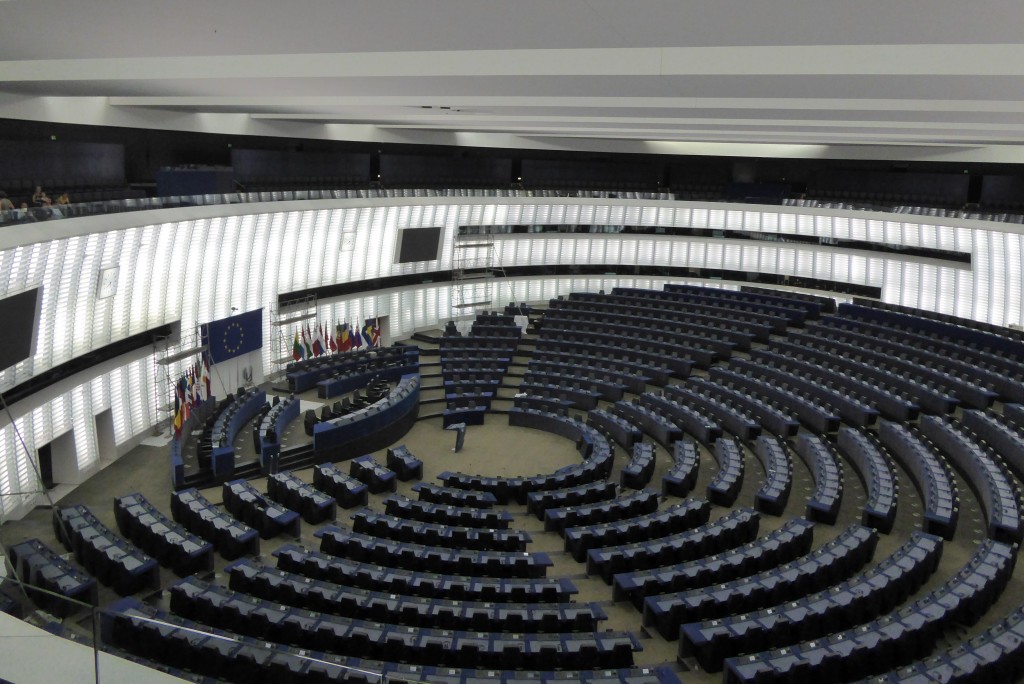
{"x":460,"y":435}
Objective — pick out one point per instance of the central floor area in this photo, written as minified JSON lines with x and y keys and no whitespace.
{"x":491,"y":450}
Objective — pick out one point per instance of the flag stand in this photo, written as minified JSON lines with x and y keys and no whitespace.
{"x":282,"y":316}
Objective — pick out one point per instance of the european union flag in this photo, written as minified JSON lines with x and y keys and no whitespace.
{"x":234,"y":336}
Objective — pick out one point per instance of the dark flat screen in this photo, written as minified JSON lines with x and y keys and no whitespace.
{"x":419,"y":244}
{"x":18,"y":314}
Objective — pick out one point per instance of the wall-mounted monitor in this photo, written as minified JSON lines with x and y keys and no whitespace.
{"x":20,"y":314}
{"x":418,"y":244}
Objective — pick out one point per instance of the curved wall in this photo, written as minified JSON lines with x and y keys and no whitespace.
{"x":198,"y":264}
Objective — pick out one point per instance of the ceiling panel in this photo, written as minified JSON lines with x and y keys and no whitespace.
{"x":890,"y":78}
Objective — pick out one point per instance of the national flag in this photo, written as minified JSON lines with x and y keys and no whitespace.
{"x":183,"y":391}
{"x":368,"y":334}
{"x":297,"y":351}
{"x":198,"y":387}
{"x":357,"y":338}
{"x":332,"y":343}
{"x":318,"y":347}
{"x":207,"y":379}
{"x":178,"y":420}
{"x":344,"y":338}
{"x":189,"y":398}
{"x":307,"y":342}
{"x":375,"y":332}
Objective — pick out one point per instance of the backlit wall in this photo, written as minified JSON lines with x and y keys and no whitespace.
{"x":198,"y":264}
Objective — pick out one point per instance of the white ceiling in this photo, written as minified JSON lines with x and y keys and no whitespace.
{"x":892,"y":79}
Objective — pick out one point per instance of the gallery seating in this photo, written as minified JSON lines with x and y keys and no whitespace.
{"x":370,"y":522}
{"x":659,"y":361}
{"x":873,"y":467}
{"x":347,"y":491}
{"x":730,"y":418}
{"x":37,"y":565}
{"x":229,"y":656}
{"x":780,"y":371}
{"x":106,"y":556}
{"x":815,"y":417}
{"x":539,"y":502}
{"x":376,"y":476}
{"x":731,"y":530}
{"x":231,"y":537}
{"x":772,"y":496}
{"x":821,"y":460}
{"x":993,"y":486}
{"x":1000,"y":435}
{"x":768,"y":322}
{"x":681,"y":478}
{"x":312,"y":504}
{"x":405,"y":466}
{"x":622,"y":507}
{"x":772,"y":550}
{"x":228,"y":420}
{"x":428,"y":491}
{"x":165,"y":540}
{"x":688,"y":420}
{"x":630,"y":376}
{"x":256,"y":617}
{"x":976,"y":387}
{"x":426,"y":511}
{"x":619,"y":429}
{"x":297,"y":590}
{"x":362,"y":547}
{"x":245,"y":502}
{"x":421,"y":581}
{"x":858,"y":362}
{"x":777,"y":421}
{"x":725,"y":486}
{"x":651,"y":422}
{"x":640,"y":468}
{"x":864,"y":400}
{"x":897,"y":637}
{"x":857,"y":600}
{"x":929,"y":473}
{"x":267,"y":430}
{"x":887,"y":392}
{"x":604,"y":390}
{"x":677,"y":518}
{"x":346,"y":372}
{"x":829,"y":564}
{"x":796,"y":310}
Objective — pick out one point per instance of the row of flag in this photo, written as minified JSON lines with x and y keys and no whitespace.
{"x":191,"y":389}
{"x":321,"y":340}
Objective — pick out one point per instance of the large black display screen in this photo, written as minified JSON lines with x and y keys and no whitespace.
{"x":418,"y":244}
{"x":18,"y":315}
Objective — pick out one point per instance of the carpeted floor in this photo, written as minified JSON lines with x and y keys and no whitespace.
{"x":498,"y":449}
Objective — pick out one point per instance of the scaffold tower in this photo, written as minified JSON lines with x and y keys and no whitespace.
{"x":284,"y":316}
{"x":477,"y":274}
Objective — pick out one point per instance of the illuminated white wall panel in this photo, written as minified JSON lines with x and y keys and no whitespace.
{"x":197,"y":264}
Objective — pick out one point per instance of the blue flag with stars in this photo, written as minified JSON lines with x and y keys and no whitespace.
{"x":230,"y":337}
